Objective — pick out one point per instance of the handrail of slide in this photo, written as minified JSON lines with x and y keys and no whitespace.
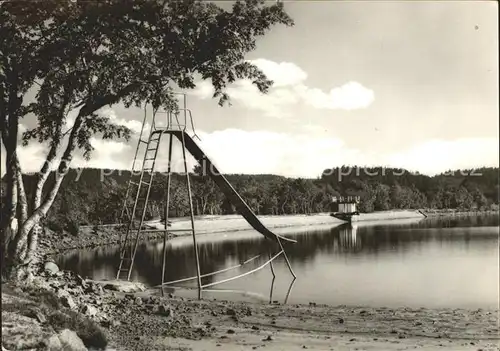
{"x":228,"y":190}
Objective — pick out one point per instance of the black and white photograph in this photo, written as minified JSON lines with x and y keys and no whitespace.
{"x":249,"y":175}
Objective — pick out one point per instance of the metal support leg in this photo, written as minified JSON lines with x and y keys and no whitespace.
{"x":274,"y":278}
{"x":272,"y":290}
{"x":164,"y":261}
{"x":271,"y":265}
{"x":167,"y":206}
{"x":289,"y":290}
{"x":286,"y":258}
{"x":192,"y":217}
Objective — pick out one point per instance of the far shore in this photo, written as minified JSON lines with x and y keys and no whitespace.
{"x":95,"y":236}
{"x":215,"y":224}
{"x":454,"y":212}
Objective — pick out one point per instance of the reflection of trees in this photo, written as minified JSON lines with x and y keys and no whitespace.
{"x":217,"y":255}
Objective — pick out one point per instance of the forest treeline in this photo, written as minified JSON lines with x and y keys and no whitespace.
{"x":92,"y":196}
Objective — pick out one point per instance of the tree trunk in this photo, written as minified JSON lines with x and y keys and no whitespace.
{"x":22,"y":203}
{"x":22,"y":254}
{"x":11,"y":223}
{"x":36,"y":216}
{"x":204,"y":207}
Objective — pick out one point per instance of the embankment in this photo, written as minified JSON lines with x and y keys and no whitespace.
{"x":454,"y":212}
{"x":390,"y":215}
{"x":107,"y":235}
{"x":215,"y":224}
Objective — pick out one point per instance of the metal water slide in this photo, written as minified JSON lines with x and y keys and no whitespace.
{"x":135,"y":207}
{"x":241,"y":207}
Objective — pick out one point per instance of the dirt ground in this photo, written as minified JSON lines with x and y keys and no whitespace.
{"x":219,"y":325}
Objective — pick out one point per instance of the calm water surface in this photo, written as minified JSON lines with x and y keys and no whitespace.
{"x":451,"y":262}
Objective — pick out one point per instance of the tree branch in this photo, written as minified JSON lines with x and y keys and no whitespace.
{"x":21,"y":194}
{"x":45,"y":170}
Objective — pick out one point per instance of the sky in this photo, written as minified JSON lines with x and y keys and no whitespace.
{"x":397,"y":84}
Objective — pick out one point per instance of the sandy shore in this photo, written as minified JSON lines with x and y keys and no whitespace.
{"x":214,"y":224}
{"x":53,"y":243}
{"x":451,"y":212}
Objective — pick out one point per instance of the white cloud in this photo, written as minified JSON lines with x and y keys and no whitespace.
{"x":108,"y":154}
{"x":134,"y":125}
{"x":436,"y":156}
{"x":276,"y":103}
{"x":288,"y":90}
{"x":350,"y":96}
{"x":32,"y":156}
{"x":204,"y":90}
{"x":282,"y":74}
{"x":258,"y":152}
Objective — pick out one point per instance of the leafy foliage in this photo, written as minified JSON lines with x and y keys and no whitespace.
{"x":90,"y":54}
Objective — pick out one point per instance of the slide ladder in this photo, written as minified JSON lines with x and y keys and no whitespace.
{"x":142,"y":188}
{"x":142,"y":144}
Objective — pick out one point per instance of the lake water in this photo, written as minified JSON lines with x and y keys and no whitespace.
{"x":447,"y":262}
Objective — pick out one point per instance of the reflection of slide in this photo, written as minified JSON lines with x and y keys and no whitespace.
{"x":241,"y":207}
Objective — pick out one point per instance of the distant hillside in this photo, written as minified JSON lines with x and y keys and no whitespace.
{"x":388,"y":188}
{"x":96,"y":196}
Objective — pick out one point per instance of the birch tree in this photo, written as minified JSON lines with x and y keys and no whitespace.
{"x":80,"y":57}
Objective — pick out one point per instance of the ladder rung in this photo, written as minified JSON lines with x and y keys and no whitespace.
{"x":151,"y":149}
{"x":143,"y":141}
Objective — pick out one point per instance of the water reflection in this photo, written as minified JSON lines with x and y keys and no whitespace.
{"x":346,"y":253}
{"x":348,"y":238}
